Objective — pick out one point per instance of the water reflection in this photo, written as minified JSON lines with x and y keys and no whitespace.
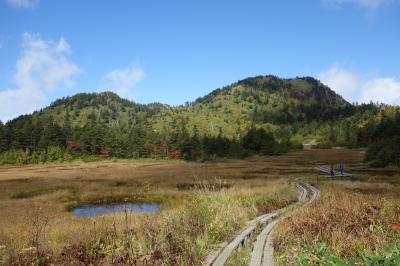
{"x":96,"y":210}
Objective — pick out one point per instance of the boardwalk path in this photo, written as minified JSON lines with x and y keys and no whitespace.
{"x":326,"y":169}
{"x":262,"y":253}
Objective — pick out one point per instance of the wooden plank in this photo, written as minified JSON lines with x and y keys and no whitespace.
{"x":303,"y":193}
{"x":326,"y":169}
{"x":213,"y":255}
{"x":219,"y":257}
{"x":268,"y":258}
{"x":263,"y":251}
{"x":258,"y":250}
{"x":240,"y":239}
{"x":223,"y":257}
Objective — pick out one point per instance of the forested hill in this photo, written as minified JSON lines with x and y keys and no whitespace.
{"x":305,"y":89}
{"x":264,"y":101}
{"x":263,"y":114}
{"x":105,"y":108}
{"x":259,"y":100}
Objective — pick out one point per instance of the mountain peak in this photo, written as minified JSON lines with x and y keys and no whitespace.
{"x":306,"y":89}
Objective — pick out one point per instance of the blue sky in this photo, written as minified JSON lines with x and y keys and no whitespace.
{"x":176,"y":51}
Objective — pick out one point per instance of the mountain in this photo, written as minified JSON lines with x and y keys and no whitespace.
{"x":303,"y":89}
{"x":266,"y":101}
{"x":259,"y":112}
{"x":101,"y":108}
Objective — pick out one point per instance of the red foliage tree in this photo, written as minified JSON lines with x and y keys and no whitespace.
{"x":174,"y":154}
{"x":105,"y":152}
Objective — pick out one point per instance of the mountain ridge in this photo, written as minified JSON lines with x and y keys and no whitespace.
{"x":273,"y":83}
{"x":269,"y":83}
{"x":278,"y":114}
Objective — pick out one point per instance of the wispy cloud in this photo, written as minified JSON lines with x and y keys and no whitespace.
{"x":370,"y":5}
{"x":23,"y":3}
{"x":386,"y":90}
{"x":355,"y":88}
{"x":344,"y":82}
{"x":122,"y":81}
{"x":43,"y":67}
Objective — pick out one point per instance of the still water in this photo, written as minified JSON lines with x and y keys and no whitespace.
{"x":96,"y":210}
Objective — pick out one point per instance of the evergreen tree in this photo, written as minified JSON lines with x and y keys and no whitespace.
{"x":2,"y":137}
{"x":260,"y":141}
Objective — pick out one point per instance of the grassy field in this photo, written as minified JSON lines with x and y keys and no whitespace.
{"x":202,"y":204}
{"x":354,"y":222}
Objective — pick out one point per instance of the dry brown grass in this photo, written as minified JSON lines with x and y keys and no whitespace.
{"x":179,"y":236}
{"x":248,"y":186}
{"x":56,"y":186}
{"x":348,"y":218}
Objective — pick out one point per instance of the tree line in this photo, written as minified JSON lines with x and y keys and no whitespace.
{"x":262,"y":115}
{"x":40,"y":141}
{"x":384,"y":139}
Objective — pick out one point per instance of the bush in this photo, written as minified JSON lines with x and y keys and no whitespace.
{"x":52,"y":154}
{"x":383,"y":153}
{"x":91,"y":158}
{"x":259,"y":141}
{"x":325,"y":145}
{"x":341,"y":227}
{"x":14,"y":157}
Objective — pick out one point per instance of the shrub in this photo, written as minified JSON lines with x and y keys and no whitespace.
{"x":14,"y":157}
{"x":324,"y":145}
{"x":341,"y":227}
{"x":384,"y":152}
{"x":52,"y":154}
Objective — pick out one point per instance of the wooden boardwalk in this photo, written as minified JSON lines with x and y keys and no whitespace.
{"x":266,"y":258}
{"x":327,"y":170}
{"x":262,"y":253}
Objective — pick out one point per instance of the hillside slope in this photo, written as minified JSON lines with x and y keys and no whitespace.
{"x":265,"y":101}
{"x":101,"y":108}
{"x":274,"y":113}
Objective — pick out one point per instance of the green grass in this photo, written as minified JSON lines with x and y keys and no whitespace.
{"x":242,"y":256}
{"x":180,"y":236}
{"x":202,"y":204}
{"x":321,"y":254}
{"x":351,"y":224}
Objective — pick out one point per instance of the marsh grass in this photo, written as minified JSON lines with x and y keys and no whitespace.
{"x":179,"y":236}
{"x":350,"y":223}
{"x":202,"y":204}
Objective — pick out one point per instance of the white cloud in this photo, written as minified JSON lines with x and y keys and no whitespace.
{"x":22,"y":3}
{"x":386,"y":90}
{"x":20,"y":101}
{"x":122,"y":81}
{"x":367,"y":4}
{"x":355,"y":88}
{"x":345,"y":82}
{"x":43,"y":67}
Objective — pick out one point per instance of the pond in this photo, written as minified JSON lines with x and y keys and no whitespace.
{"x":96,"y":210}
